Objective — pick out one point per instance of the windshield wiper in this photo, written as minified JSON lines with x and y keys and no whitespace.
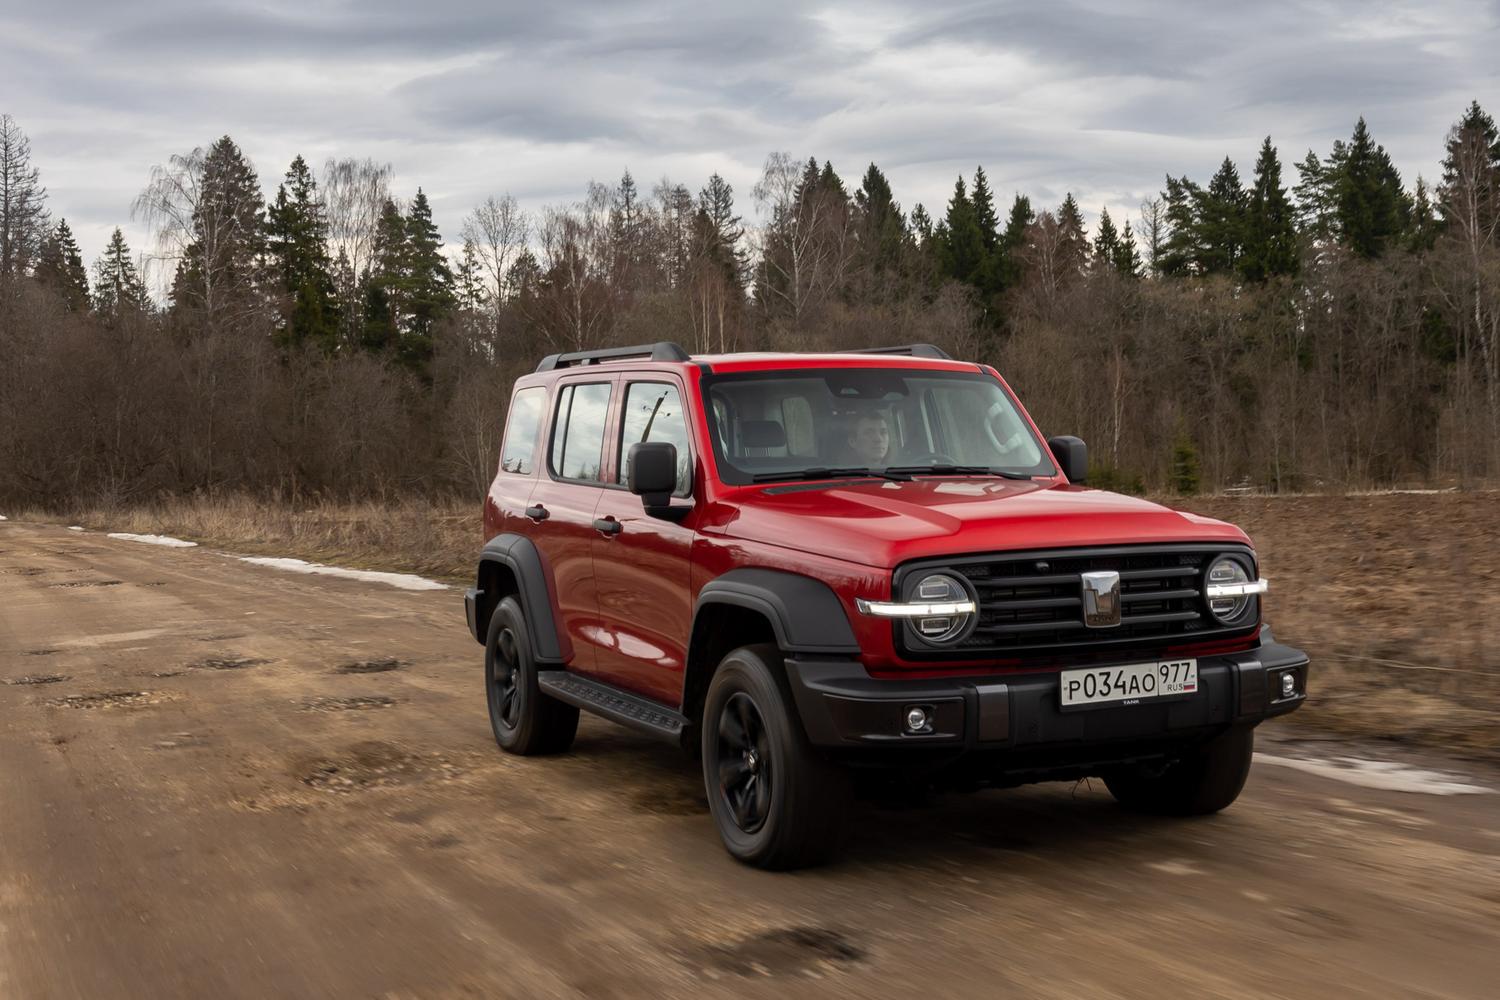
{"x":959,"y":470}
{"x":824,"y":473}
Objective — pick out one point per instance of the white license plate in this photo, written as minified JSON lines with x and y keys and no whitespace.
{"x":1130,"y":684}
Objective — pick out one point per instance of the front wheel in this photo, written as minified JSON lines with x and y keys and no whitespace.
{"x":525,"y":720}
{"x":1204,"y":780}
{"x":777,"y":803}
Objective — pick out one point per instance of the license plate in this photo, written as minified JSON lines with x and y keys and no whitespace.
{"x":1131,"y":684}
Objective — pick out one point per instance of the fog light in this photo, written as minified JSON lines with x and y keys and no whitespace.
{"x":1288,"y":684}
{"x":916,"y":719}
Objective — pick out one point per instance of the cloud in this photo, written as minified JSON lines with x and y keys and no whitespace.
{"x":469,"y":98}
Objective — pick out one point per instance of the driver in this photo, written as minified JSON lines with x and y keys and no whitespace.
{"x":870,"y":440}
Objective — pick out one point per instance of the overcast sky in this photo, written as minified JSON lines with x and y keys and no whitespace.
{"x":468,"y":98}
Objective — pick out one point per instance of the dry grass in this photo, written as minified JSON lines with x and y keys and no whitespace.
{"x":1396,"y":597}
{"x":438,"y":540}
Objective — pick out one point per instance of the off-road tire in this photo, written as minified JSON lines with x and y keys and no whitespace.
{"x":1206,"y":779}
{"x":525,"y":721}
{"x":804,"y":799}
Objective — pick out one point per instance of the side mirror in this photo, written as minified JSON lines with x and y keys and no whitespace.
{"x":653,"y":475}
{"x":1072,"y":456}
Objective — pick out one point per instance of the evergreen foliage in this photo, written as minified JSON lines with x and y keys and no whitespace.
{"x":59,"y":266}
{"x":118,"y":289}
{"x":1270,"y":223}
{"x":297,"y":244}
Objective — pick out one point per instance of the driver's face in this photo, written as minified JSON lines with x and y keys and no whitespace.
{"x":870,"y":440}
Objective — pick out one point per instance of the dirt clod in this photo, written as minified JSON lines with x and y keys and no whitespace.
{"x":370,"y":666}
{"x":39,"y":679}
{"x":355,"y":704}
{"x":783,"y":951}
{"x":228,"y":663}
{"x":107,"y":699}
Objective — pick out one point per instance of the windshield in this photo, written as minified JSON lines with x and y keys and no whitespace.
{"x":825,"y":423}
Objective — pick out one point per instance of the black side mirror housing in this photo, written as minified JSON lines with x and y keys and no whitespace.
{"x":1072,"y":456}
{"x":653,"y":475}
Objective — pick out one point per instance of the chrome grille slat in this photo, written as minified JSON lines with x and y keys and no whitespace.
{"x":1030,"y":603}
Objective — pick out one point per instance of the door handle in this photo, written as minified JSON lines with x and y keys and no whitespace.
{"x":538,"y":513}
{"x":608,"y":525}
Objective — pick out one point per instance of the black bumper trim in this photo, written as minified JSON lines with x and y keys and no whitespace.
{"x":841,"y":705}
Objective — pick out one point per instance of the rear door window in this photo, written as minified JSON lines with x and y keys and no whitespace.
{"x":578,"y":432}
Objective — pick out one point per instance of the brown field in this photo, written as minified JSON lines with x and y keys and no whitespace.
{"x":1396,"y":596}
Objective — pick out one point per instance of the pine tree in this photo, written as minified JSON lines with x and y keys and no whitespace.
{"x":1012,"y":250}
{"x":297,"y":244}
{"x":716,"y":200}
{"x":219,"y":275}
{"x":1425,"y":226}
{"x":1221,"y":221}
{"x":984,"y":211}
{"x":118,"y":289}
{"x":429,"y":283}
{"x":1106,"y":242}
{"x":1127,"y":258}
{"x":1073,"y":253}
{"x":961,"y":244}
{"x":921,"y":225}
{"x":881,"y":231}
{"x":1372,"y":209}
{"x":1182,"y":247}
{"x":1270,"y":226}
{"x":1185,"y":469}
{"x":23,"y":212}
{"x":385,"y":284}
{"x":59,"y":267}
{"x":1316,"y":207}
{"x":469,"y":291}
{"x":1469,"y":195}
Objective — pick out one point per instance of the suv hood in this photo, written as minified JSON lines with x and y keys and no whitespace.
{"x":879,"y":523}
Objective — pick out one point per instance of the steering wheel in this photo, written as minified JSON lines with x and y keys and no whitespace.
{"x":934,"y":458}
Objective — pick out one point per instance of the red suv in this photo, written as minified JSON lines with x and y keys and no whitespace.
{"x":821,"y":571}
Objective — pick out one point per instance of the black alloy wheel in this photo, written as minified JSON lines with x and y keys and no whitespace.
{"x":745,"y":765}
{"x":525,"y":720}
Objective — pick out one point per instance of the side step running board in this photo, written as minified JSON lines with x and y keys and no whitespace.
{"x":614,"y":704}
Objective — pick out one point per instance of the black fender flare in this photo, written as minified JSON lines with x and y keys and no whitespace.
{"x":805,"y":613}
{"x":519,"y":554}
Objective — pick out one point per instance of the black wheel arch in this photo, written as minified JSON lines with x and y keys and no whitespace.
{"x":799,"y":614}
{"x":511,"y":565}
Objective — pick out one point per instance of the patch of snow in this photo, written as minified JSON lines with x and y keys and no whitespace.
{"x":4,"y":518}
{"x":405,"y":581}
{"x":166,"y":540}
{"x":74,"y":527}
{"x":1384,"y":775}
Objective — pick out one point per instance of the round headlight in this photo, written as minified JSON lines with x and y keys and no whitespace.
{"x":1223,"y":572}
{"x":940,"y":588}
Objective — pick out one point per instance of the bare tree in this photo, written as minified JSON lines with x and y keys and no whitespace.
{"x":499,"y":230}
{"x":575,"y":299}
{"x":23,"y":215}
{"x":807,"y":247}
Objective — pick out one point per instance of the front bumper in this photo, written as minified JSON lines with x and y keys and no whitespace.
{"x":842,"y":706}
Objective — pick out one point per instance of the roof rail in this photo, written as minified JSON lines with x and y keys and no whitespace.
{"x":663,"y":350}
{"x":914,"y":350}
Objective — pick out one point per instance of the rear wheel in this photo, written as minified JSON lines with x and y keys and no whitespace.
{"x":525,"y":720}
{"x":777,"y":803}
{"x":1206,"y":779}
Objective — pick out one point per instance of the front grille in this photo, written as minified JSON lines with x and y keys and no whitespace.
{"x":1031,"y":603}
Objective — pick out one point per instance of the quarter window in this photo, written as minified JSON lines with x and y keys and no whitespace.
{"x":518,"y":452}
{"x":653,"y":412}
{"x":578,"y":432}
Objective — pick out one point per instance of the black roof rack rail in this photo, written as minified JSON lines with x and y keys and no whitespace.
{"x":914,"y":350}
{"x":663,"y":350}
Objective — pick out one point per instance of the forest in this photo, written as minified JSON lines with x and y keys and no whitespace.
{"x":1323,"y":327}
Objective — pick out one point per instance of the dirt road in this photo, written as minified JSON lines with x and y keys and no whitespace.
{"x":225,"y":780}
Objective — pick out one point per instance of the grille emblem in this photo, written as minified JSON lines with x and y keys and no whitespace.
{"x":1101,"y":599}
